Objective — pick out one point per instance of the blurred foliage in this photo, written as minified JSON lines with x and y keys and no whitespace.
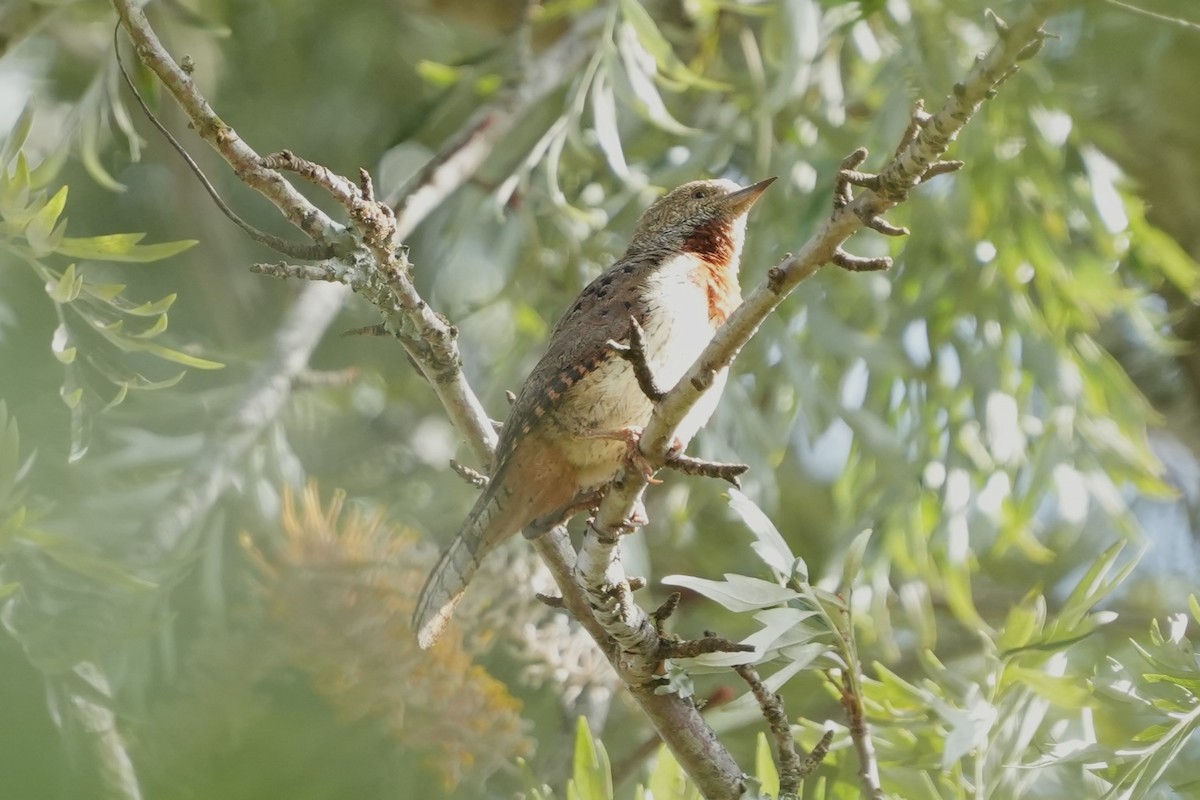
{"x":995,"y":408}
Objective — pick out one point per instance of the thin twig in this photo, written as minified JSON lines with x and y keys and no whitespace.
{"x":473,"y":477}
{"x":307,"y":272}
{"x":781,"y":731}
{"x":690,"y":465}
{"x":817,"y":755}
{"x":276,"y":243}
{"x":860,"y":734}
{"x":692,"y":648}
{"x":241,"y":157}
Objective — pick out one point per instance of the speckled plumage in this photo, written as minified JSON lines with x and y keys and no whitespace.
{"x":678,"y":278}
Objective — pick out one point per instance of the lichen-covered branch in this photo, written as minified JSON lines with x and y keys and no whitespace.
{"x":771,"y":704}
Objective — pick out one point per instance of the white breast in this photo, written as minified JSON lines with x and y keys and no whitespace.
{"x":677,"y":331}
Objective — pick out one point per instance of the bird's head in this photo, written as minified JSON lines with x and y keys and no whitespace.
{"x":707,"y":218}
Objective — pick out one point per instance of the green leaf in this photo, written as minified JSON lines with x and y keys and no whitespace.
{"x":591,"y":775}
{"x":151,"y":309}
{"x":67,"y":287}
{"x":604,"y":121}
{"x":89,"y":154}
{"x":656,"y":45}
{"x":668,"y":780}
{"x":41,"y":230}
{"x":158,"y":327}
{"x":121,"y":247}
{"x":441,"y":75}
{"x":70,"y":555}
{"x":764,"y":767}
{"x":14,"y":188}
{"x":854,"y":558}
{"x":771,"y":547}
{"x":179,"y":357}
{"x":736,"y":592}
{"x":1024,"y":621}
{"x":1062,"y":690}
{"x":17,"y":136}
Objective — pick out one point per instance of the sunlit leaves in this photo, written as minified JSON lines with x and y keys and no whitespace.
{"x":591,"y":777}
{"x":99,"y":328}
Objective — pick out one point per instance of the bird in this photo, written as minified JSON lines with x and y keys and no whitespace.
{"x":574,"y":423}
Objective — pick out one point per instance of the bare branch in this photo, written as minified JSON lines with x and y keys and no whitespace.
{"x":853,"y":263}
{"x":868,"y":765}
{"x":476,"y":479}
{"x":771,"y":704}
{"x":689,"y":465}
{"x":817,"y":755}
{"x":308,"y":272}
{"x":709,"y":643}
{"x":664,"y":612}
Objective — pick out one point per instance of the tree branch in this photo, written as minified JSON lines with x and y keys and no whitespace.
{"x":860,"y":734}
{"x":790,"y":766}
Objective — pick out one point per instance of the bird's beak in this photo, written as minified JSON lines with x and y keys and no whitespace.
{"x":739,"y":201}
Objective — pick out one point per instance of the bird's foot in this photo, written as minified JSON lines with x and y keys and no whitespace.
{"x":631,"y":435}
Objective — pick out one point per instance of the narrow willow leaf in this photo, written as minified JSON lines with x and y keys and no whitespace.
{"x":17,"y":136}
{"x":736,"y":592}
{"x":89,"y":154}
{"x":45,"y":172}
{"x":70,"y":555}
{"x":771,"y":547}
{"x":668,"y":780}
{"x":764,"y":767}
{"x":81,"y":432}
{"x":40,"y":232}
{"x":854,"y":558}
{"x":1024,"y":621}
{"x":68,"y":286}
{"x":591,"y":774}
{"x":150,"y":309}
{"x":656,"y":45}
{"x":1064,"y":691}
{"x":636,"y":87}
{"x":441,"y":75}
{"x":158,"y":327}
{"x":14,"y":191}
{"x":604,"y":120}
{"x":180,"y":357}
{"x":104,"y":291}
{"x":121,"y":247}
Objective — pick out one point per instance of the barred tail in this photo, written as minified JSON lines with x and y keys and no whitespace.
{"x":490,"y":522}
{"x":444,"y":588}
{"x":509,"y":503}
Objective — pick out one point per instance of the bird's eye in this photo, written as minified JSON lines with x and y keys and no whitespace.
{"x":700,"y":194}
